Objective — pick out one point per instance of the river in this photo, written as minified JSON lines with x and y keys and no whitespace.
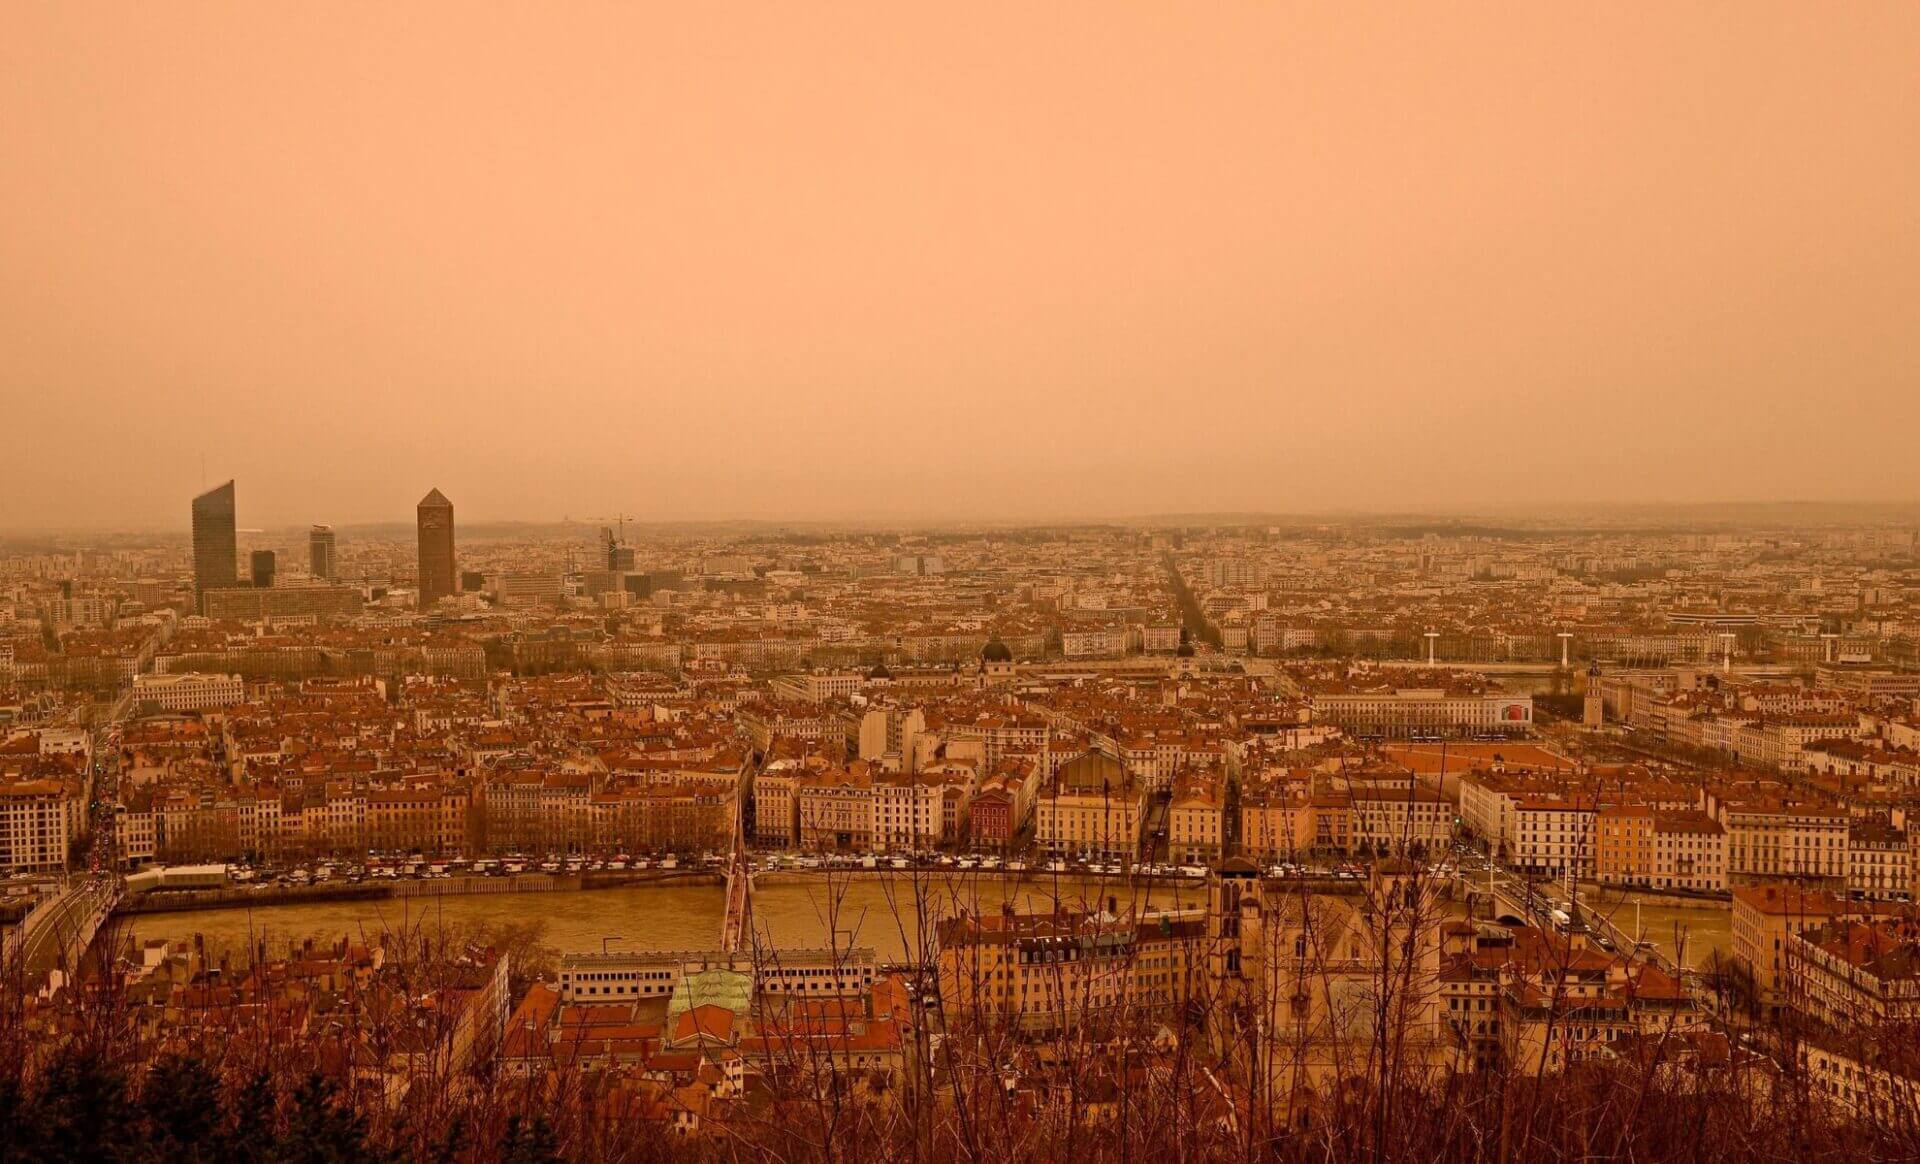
{"x":791,"y":910}
{"x":1692,"y":931}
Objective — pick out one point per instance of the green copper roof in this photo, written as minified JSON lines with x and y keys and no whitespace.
{"x":732,"y":989}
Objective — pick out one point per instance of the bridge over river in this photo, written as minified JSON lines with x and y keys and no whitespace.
{"x":50,"y":941}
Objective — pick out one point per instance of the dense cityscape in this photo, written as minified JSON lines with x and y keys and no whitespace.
{"x":1096,"y":582}
{"x":1298,"y":820}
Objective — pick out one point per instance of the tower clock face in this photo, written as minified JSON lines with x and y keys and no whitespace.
{"x":432,"y":521}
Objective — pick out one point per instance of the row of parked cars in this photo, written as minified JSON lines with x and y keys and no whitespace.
{"x":1080,"y":865}
{"x":393,"y":867}
{"x":806,"y":861}
{"x":416,"y":867}
{"x":969,"y":862}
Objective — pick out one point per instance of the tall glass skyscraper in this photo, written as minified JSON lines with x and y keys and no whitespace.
{"x":320,"y":550}
{"x":216,"y":549}
{"x":437,"y":577}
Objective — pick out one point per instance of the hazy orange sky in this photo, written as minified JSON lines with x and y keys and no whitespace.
{"x":1023,"y":260}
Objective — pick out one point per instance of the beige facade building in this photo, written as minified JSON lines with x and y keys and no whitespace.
{"x":1400,"y":820}
{"x":189,"y":691}
{"x":1776,"y":836}
{"x":907,"y":812}
{"x":39,"y":820}
{"x":1276,"y":824}
{"x":1196,"y":818}
{"x":1413,"y":712}
{"x":1053,"y":971}
{"x":1879,"y":862}
{"x":836,"y":810}
{"x":1094,"y":808}
{"x":1766,"y":918}
{"x":776,"y":805}
{"x":1852,"y":974}
{"x":1661,"y":850}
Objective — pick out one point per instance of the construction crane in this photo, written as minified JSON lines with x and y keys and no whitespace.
{"x":620,"y":520}
{"x":613,"y":543}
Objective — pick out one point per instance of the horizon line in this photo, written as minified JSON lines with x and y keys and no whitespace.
{"x":1462,"y":513}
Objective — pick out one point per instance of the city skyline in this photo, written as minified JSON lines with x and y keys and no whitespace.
{"x":1733,"y":513}
{"x":1241,"y":764}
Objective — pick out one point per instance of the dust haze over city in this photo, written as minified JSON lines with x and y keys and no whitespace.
{"x":858,"y":582}
{"x":1093,"y":261}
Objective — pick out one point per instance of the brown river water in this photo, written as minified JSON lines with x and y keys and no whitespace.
{"x":791,"y":910}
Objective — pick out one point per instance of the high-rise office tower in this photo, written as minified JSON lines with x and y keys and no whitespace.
{"x":261,"y":562}
{"x":216,"y":550}
{"x":436,"y":548}
{"x":619,"y":557}
{"x":320,"y":553}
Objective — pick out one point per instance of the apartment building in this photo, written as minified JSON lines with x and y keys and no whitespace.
{"x":1196,"y":818}
{"x":1400,"y":820}
{"x":776,"y":805}
{"x":262,"y":820}
{"x":653,"y":817}
{"x":1332,"y":823}
{"x":195,"y":826}
{"x":134,"y":836}
{"x":1775,"y":834}
{"x":537,"y":811}
{"x":1851,"y":973}
{"x":1520,"y":995}
{"x":278,"y":604}
{"x":1553,"y":835}
{"x":835,"y":810}
{"x":1879,"y":863}
{"x":1001,"y":810}
{"x":1765,"y":919}
{"x":39,"y":821}
{"x":525,"y":588}
{"x":1001,"y":733}
{"x":1859,"y":1079}
{"x":1160,"y":638}
{"x":818,"y":686}
{"x":1096,"y":643}
{"x":426,"y":819}
{"x":907,"y":812}
{"x":1655,"y":849}
{"x":1051,"y":971}
{"x":1095,"y":808}
{"x":1276,"y":823}
{"x":787,"y":720}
